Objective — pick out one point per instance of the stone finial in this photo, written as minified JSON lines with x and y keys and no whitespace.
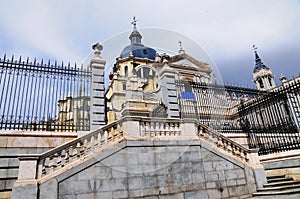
{"x":181,"y":50}
{"x":283,"y":78}
{"x":97,"y":49}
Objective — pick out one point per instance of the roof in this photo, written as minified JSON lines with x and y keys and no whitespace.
{"x":258,"y":63}
{"x":138,"y":50}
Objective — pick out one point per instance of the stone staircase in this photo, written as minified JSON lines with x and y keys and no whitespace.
{"x":279,"y":187}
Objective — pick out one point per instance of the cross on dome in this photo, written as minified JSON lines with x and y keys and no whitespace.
{"x":134,"y":20}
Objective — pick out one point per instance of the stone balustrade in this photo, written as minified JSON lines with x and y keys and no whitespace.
{"x":78,"y":149}
{"x":57,"y":160}
{"x":228,"y":145}
{"x":160,"y":128}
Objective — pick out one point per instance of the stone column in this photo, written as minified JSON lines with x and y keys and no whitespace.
{"x":97,"y":106}
{"x":169,"y":92}
{"x":26,"y":186}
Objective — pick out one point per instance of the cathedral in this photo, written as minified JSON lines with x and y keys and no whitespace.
{"x":162,"y":128}
{"x":144,"y":83}
{"x":176,"y":86}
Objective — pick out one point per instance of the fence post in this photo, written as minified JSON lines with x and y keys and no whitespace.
{"x":97,"y":106}
{"x":293,"y":103}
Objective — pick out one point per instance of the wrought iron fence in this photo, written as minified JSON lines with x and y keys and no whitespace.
{"x":271,"y":121}
{"x":273,"y":139}
{"x":43,"y":96}
{"x":212,"y":104}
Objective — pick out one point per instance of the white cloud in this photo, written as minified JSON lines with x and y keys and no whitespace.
{"x":65,"y":30}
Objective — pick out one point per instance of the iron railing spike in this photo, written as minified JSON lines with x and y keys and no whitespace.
{"x":27,"y":61}
{"x":4,"y":58}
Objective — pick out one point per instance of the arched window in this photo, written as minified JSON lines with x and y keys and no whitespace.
{"x":270,"y":80}
{"x":145,"y":72}
{"x":261,"y":84}
{"x":126,"y":71}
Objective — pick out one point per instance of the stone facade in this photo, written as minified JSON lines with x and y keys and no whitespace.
{"x":155,"y":169}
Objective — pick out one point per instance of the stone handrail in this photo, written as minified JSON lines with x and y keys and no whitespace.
{"x":78,"y":149}
{"x":159,"y":127}
{"x":82,"y":148}
{"x":236,"y":150}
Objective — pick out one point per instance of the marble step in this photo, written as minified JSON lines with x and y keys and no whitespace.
{"x":284,"y":183}
{"x":279,"y":188}
{"x":270,"y":193}
{"x":279,"y":180}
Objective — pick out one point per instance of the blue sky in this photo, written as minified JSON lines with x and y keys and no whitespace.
{"x":65,"y":30}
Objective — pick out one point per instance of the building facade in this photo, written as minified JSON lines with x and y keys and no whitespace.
{"x":148,"y":84}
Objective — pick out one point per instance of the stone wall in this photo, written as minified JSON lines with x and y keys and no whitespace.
{"x":14,"y":144}
{"x":154,"y":169}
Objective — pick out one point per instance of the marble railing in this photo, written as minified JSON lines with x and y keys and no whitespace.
{"x":155,"y":127}
{"x":220,"y":141}
{"x":130,"y":128}
{"x":78,"y":149}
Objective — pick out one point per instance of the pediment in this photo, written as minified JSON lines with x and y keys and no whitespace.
{"x":186,"y":61}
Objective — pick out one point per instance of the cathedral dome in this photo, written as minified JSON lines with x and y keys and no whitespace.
{"x":136,"y":48}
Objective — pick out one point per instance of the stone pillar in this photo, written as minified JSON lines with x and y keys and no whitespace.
{"x":131,"y":126}
{"x":189,"y":129}
{"x":258,"y":169}
{"x":97,"y":106}
{"x":26,"y":186}
{"x":169,"y":93}
{"x":294,"y":108}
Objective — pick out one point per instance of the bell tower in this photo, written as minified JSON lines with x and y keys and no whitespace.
{"x":262,"y":75}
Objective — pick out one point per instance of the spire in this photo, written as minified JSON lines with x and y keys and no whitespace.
{"x":258,"y":63}
{"x":262,"y":75}
{"x":135,"y":37}
{"x":181,"y":50}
